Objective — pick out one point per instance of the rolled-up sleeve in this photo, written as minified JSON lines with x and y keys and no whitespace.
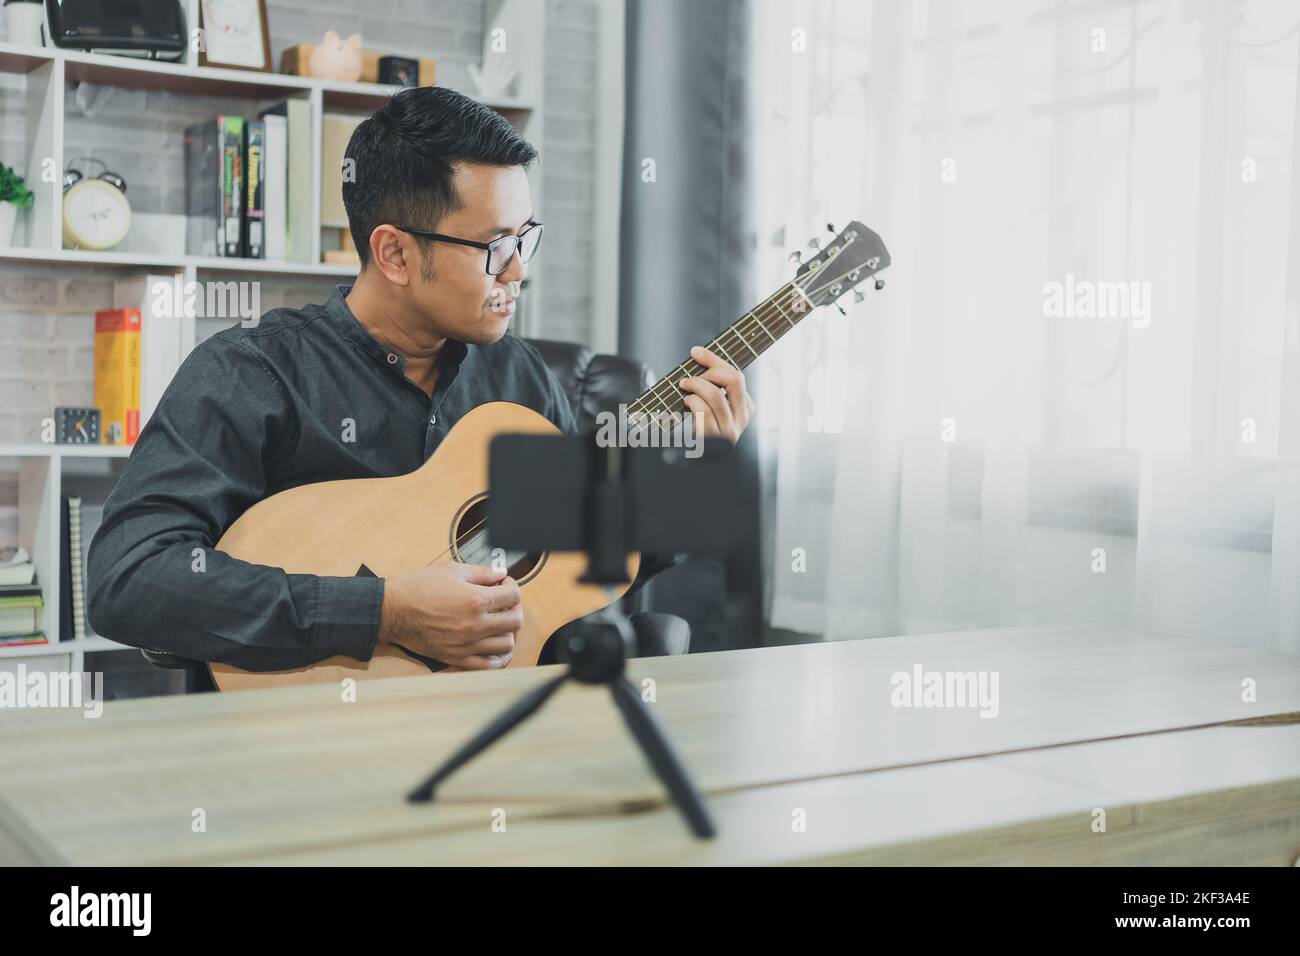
{"x":155,"y":579}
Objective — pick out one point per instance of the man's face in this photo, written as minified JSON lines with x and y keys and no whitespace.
{"x":454,"y":290}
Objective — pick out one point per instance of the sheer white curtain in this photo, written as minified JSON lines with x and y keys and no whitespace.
{"x":1078,"y":397}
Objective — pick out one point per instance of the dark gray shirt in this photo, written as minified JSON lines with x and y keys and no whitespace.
{"x":251,"y":412}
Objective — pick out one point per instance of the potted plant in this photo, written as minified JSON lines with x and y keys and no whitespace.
{"x":13,"y":194}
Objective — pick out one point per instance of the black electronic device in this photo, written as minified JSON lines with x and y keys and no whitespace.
{"x":153,"y":29}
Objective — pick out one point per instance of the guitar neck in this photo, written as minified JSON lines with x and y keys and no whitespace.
{"x":739,"y":343}
{"x":853,"y":257}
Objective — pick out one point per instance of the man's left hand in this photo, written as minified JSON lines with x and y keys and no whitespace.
{"x":718,"y":396}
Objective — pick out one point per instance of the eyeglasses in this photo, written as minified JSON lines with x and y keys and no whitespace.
{"x":499,"y":251}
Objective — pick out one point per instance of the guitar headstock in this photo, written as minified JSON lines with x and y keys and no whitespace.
{"x":850,"y":259}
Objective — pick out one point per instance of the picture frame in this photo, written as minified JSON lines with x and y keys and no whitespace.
{"x":235,"y":35}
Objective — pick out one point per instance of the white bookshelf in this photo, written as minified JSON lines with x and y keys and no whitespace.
{"x":87,"y":645}
{"x":40,"y":487}
{"x":137,"y":261}
{"x":49,"y":76}
{"x":195,"y":80}
{"x":38,"y":450}
{"x":50,"y":72}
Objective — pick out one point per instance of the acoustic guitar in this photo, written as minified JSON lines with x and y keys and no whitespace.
{"x":382,"y":526}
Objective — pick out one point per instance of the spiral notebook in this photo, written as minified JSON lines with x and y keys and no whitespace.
{"x":72,"y":601}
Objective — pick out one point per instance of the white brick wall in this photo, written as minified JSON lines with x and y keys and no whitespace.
{"x":46,"y":342}
{"x":569,"y":168}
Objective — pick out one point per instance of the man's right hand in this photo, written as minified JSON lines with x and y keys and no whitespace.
{"x":465,"y":615}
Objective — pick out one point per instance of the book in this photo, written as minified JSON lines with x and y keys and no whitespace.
{"x":336,"y":131}
{"x":202,"y":189}
{"x":276,"y":165}
{"x":231,"y":144}
{"x":117,"y":375}
{"x":160,"y":300}
{"x":31,"y":599}
{"x":11,"y":574}
{"x":27,"y":637}
{"x":254,"y":189}
{"x":18,"y":620}
{"x":213,"y":174}
{"x":19,"y":590}
{"x":298,"y":239}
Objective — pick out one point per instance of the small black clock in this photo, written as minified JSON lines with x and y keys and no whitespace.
{"x":76,"y":426}
{"x":399,"y":71}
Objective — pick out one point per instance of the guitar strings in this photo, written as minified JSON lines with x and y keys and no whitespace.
{"x":807,"y":294}
{"x":745,"y":329}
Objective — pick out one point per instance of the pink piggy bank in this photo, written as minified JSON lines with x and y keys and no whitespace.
{"x":337,"y":59}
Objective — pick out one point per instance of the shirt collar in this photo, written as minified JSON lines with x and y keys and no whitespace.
{"x":336,"y":308}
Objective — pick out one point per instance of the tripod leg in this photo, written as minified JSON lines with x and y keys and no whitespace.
{"x":659,"y":752}
{"x":516,"y":713}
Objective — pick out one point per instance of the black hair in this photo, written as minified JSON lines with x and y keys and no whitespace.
{"x":403,"y":157}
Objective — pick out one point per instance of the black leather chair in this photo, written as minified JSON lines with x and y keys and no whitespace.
{"x":593,"y":383}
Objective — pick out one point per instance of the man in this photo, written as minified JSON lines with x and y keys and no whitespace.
{"x":365,"y":386}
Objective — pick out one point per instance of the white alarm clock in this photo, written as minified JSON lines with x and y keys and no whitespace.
{"x":96,"y":214}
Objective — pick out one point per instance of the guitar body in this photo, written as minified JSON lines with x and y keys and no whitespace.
{"x":388,"y":526}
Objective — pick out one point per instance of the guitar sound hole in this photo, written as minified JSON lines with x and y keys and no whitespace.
{"x":470,"y":544}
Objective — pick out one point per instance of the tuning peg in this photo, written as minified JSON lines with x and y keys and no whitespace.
{"x":795,"y":256}
{"x":814,"y":245}
{"x":857,"y":295}
{"x":880,"y":284}
{"x":841,"y":308}
{"x":830,"y":227}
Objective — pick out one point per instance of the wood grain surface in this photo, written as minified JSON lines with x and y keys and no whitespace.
{"x":1087,"y":718}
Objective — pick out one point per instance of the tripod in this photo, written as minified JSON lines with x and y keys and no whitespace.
{"x":596,"y":651}
{"x":542,"y":512}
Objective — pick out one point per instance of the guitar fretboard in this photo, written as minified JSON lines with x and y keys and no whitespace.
{"x":740,"y":344}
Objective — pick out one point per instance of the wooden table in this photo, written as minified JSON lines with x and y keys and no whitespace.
{"x":1150,"y":730}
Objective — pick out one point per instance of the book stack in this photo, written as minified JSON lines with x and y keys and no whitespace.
{"x":248,"y":184}
{"x":20,"y":602}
